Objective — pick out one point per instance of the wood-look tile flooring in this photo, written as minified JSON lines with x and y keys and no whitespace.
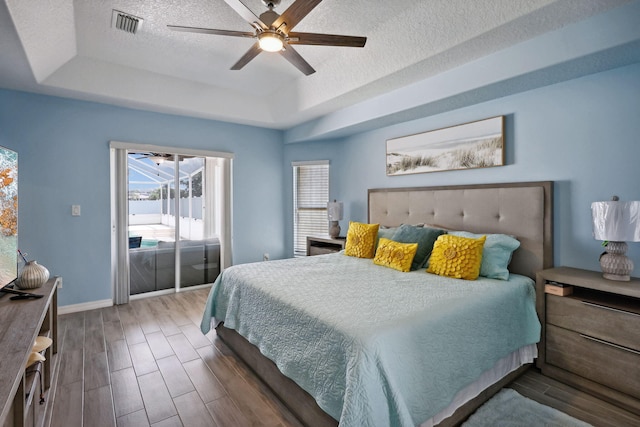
{"x":578,"y":404}
{"x":147,"y":364}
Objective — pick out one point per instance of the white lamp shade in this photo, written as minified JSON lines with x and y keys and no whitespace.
{"x":334,"y":211}
{"x":616,"y":221}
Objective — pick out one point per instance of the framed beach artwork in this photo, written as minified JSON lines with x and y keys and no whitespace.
{"x":471,"y":145}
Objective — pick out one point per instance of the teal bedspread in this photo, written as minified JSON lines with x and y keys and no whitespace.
{"x":373,"y":346}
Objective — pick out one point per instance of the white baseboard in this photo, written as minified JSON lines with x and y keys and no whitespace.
{"x":92,"y":305}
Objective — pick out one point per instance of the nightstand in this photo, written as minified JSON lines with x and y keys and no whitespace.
{"x":320,"y":245}
{"x":591,"y":338}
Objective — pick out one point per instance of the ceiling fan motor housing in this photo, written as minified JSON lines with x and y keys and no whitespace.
{"x":271,"y":3}
{"x":269,"y":17}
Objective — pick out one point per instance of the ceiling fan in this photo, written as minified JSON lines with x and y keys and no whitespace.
{"x":273,"y":32}
{"x":159,"y":158}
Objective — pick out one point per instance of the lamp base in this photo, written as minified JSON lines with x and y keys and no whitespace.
{"x":616,"y":277}
{"x":615,"y":264}
{"x":334,"y":229}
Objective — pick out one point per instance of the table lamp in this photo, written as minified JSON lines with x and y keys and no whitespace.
{"x":616,"y":223}
{"x":334,"y":212}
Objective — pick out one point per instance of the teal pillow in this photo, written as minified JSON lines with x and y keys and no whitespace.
{"x":425,"y":237}
{"x":386,"y":232}
{"x":496,"y":254}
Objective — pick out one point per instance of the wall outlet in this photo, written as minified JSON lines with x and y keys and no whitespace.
{"x":75,"y":210}
{"x":265,"y":257}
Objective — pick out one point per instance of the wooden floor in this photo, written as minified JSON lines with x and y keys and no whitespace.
{"x":147,"y":363}
{"x":573,"y":402}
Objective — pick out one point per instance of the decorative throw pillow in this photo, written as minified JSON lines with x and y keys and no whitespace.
{"x":425,"y":237}
{"x":395,"y":255}
{"x":361,"y":240}
{"x":386,"y":232}
{"x":496,"y":254}
{"x":457,"y":257}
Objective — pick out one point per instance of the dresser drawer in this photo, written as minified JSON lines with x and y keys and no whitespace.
{"x":596,"y":320}
{"x":599,"y":361}
{"x":322,"y":250}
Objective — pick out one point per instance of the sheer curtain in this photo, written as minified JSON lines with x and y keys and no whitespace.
{"x":217,"y":202}
{"x":218,"y":175}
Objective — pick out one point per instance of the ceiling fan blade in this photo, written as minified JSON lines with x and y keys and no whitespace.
{"x":248,"y":56}
{"x":298,"y":61}
{"x":295,"y":13}
{"x":246,"y":13}
{"x":211,"y":31}
{"x":326,"y":39}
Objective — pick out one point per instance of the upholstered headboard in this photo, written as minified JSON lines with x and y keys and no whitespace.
{"x":523,"y":210}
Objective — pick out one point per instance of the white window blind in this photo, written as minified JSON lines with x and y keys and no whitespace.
{"x":310,"y":197}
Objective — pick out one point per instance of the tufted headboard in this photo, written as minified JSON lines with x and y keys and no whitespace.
{"x":523,"y":210}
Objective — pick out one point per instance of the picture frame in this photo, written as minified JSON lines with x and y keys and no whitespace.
{"x":478,"y":144}
{"x":8,"y":216}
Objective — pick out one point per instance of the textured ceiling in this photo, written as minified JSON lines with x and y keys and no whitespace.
{"x":69,"y":48}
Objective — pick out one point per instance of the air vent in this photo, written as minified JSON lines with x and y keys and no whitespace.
{"x":125,"y":22}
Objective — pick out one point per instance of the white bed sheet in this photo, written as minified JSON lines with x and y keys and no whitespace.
{"x":502,"y":368}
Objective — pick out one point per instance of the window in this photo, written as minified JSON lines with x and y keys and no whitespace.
{"x":310,"y":197}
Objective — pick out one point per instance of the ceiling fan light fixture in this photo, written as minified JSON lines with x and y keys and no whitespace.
{"x":270,"y":41}
{"x":158,"y":160}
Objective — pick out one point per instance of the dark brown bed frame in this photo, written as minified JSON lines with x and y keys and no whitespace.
{"x":523,"y":210}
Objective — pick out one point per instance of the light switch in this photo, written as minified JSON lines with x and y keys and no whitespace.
{"x":75,"y":210}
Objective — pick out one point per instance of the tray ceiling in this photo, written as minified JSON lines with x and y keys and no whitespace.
{"x":70,"y":48}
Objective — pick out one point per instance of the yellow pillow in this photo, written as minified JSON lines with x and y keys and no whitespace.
{"x":395,"y":255}
{"x":457,"y":257}
{"x":361,"y":240}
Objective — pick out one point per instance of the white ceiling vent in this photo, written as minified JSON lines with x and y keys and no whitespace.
{"x":125,"y":22}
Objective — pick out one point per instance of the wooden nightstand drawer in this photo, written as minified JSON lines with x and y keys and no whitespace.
{"x":321,"y":250}
{"x":319,"y":245}
{"x":607,"y":320}
{"x":602,"y":362}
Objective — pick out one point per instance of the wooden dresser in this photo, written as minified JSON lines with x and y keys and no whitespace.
{"x":21,"y":321}
{"x":591,"y":338}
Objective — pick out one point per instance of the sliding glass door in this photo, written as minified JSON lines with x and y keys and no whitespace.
{"x":177,"y":220}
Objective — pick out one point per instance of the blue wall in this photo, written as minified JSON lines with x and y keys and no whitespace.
{"x":63,"y":148}
{"x":584,"y":134}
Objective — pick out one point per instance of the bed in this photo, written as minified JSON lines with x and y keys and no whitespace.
{"x":379,"y":347}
